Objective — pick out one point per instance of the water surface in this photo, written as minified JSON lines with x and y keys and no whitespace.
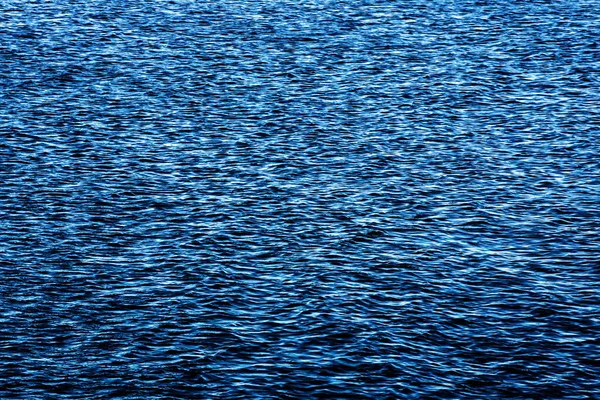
{"x":299,"y":199}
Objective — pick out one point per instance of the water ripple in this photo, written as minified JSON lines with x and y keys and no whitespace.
{"x":336,"y":199}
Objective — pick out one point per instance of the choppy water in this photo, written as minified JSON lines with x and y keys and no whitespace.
{"x":299,"y":199}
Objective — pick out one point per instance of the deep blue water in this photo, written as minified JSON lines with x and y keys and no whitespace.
{"x":299,"y":199}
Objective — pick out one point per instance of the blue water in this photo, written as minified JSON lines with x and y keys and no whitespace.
{"x":299,"y":199}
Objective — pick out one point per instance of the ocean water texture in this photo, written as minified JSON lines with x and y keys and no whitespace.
{"x":299,"y":199}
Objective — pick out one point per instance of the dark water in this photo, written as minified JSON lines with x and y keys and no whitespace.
{"x":299,"y":199}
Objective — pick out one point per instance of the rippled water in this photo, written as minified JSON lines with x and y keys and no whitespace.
{"x":299,"y":199}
